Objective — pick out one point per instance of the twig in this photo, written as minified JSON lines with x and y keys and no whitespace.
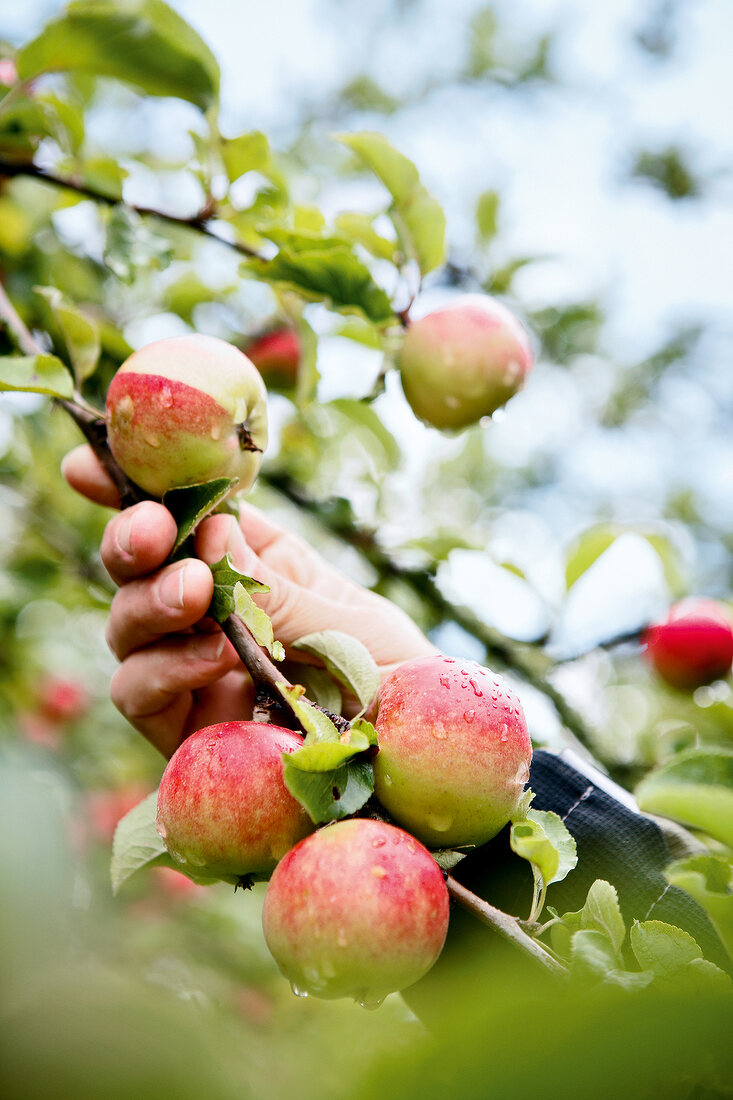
{"x":198,"y":222}
{"x":504,"y":925}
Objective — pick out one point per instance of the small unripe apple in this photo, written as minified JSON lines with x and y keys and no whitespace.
{"x":454,"y":751}
{"x":693,"y":645}
{"x":185,"y":410}
{"x":276,"y":355}
{"x":359,"y":909}
{"x":223,"y":808}
{"x":463,"y":361}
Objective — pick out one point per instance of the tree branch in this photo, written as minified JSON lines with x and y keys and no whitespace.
{"x":199,"y":222}
{"x":504,"y":925}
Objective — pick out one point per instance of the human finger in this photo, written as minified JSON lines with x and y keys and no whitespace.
{"x":138,"y":541}
{"x":171,"y":601}
{"x":85,"y":473}
{"x":155,"y":688}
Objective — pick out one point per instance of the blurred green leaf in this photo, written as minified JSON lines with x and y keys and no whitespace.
{"x":661,"y":947}
{"x":588,"y":547}
{"x":487,"y":215}
{"x":709,"y":880}
{"x":359,"y":229}
{"x":142,"y":42}
{"x":132,"y":247}
{"x":361,"y":416}
{"x":418,"y":217}
{"x":80,"y":332}
{"x":35,"y":374}
{"x":694,"y":787}
{"x":347,"y":659}
{"x":332,"y":275}
{"x":246,"y":153}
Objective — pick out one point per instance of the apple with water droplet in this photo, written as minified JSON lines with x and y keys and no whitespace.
{"x":359,"y":909}
{"x":454,"y":751}
{"x":693,"y":646}
{"x":185,"y":410}
{"x":463,"y":361}
{"x":223,"y":808}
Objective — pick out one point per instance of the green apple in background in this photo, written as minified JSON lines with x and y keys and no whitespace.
{"x":185,"y":410}
{"x":359,"y":909}
{"x":454,"y":751}
{"x":463,"y":361}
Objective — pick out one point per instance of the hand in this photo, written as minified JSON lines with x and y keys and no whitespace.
{"x":178,"y":672}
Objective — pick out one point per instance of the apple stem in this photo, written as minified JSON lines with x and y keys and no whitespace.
{"x":504,"y":925}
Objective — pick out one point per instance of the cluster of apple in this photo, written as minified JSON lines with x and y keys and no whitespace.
{"x":358,"y":907}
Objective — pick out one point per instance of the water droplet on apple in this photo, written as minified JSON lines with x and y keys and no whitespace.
{"x":449,"y":660}
{"x":216,"y":431}
{"x":378,"y":842}
{"x":440,"y":733}
{"x":504,"y":733}
{"x":162,"y":831}
{"x":441,"y":823}
{"x":152,"y":440}
{"x":469,"y":715}
{"x":379,"y":872}
{"x":166,"y":397}
{"x":125,"y":410}
{"x":464,"y":672}
{"x":342,"y":939}
{"x":476,"y":689}
{"x":445,"y":681}
{"x":298,"y":991}
{"x":387,"y":780}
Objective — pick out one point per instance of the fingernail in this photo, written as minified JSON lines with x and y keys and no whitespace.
{"x":170,"y":588}
{"x":124,"y":533}
{"x":211,"y":646}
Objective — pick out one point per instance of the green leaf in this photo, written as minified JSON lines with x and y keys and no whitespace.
{"x":246,"y":153}
{"x":363,"y":419}
{"x":543,"y":839}
{"x":448,"y":858}
{"x":694,"y":787}
{"x":136,"y":842}
{"x":487,"y":215}
{"x":325,"y":756}
{"x":256,"y":620}
{"x":35,"y":374}
{"x":602,"y":913}
{"x":418,"y":217}
{"x":333,"y":275}
{"x":592,"y":955}
{"x":321,"y":687}
{"x":347,"y":659}
{"x":192,"y":503}
{"x":361,"y":725}
{"x":142,"y":42}
{"x":226,"y":578}
{"x":131,"y":247}
{"x":330,"y":796}
{"x":709,"y":880}
{"x":594,"y":542}
{"x":661,"y":947}
{"x":359,"y":229}
{"x":80,"y":333}
{"x":318,"y":726}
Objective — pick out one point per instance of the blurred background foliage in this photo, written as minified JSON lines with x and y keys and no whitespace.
{"x":582,"y":156}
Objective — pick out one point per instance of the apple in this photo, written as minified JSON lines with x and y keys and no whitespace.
{"x":463,"y":361}
{"x":223,"y":808}
{"x":454,"y":751}
{"x":276,"y":355}
{"x":185,"y":410}
{"x":359,"y":909}
{"x":63,"y":699}
{"x":693,"y":645}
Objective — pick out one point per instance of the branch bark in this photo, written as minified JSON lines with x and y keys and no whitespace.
{"x":504,"y":925}
{"x":199,"y":222}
